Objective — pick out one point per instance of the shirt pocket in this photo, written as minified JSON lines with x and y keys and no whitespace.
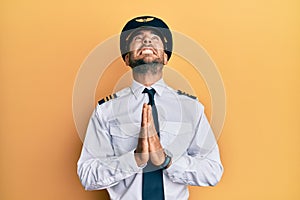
{"x":124,"y":137}
{"x":176,"y":137}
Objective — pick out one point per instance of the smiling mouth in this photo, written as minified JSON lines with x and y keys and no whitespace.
{"x":147,"y":51}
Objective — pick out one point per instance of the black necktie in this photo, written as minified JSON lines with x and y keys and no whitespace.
{"x":153,"y":188}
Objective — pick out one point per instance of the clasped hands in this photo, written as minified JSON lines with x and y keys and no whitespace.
{"x":148,"y":147}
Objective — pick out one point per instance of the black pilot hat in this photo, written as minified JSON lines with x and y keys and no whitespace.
{"x":146,"y":22}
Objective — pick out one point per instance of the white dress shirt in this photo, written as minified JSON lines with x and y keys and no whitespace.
{"x":107,"y":158}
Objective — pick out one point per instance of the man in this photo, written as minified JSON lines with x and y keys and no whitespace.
{"x":148,"y":141}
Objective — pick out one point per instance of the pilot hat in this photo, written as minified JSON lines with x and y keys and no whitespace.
{"x":146,"y":22}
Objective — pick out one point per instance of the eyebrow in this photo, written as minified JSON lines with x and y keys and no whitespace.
{"x":133,"y":34}
{"x":140,"y":32}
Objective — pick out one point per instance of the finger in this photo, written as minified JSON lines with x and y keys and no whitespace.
{"x":151,"y":126}
{"x":149,"y":114}
{"x":145,"y":105}
{"x":144,"y":116}
{"x":144,"y":123}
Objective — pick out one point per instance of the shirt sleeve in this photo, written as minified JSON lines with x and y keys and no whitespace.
{"x":200,"y":165}
{"x":98,"y":167}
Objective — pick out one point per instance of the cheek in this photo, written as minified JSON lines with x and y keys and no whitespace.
{"x":161,"y":53}
{"x":134,"y":46}
{"x":159,"y":46}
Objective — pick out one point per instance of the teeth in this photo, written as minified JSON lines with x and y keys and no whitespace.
{"x":147,"y":51}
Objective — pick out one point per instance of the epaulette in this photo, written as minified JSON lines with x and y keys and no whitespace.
{"x":113,"y":96}
{"x":186,"y":94}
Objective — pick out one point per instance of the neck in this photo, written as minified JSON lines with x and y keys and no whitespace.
{"x":147,"y":78}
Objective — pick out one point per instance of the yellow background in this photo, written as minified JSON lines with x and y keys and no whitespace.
{"x":255,"y":44}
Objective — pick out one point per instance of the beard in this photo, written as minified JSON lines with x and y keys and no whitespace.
{"x":141,"y":67}
{"x":153,"y":68}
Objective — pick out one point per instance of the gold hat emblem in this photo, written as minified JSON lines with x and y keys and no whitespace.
{"x":148,"y":19}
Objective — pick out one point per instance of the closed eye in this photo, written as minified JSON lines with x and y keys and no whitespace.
{"x":137,"y":38}
{"x":156,"y":38}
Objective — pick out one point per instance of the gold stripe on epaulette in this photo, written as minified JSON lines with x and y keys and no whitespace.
{"x":186,"y":94}
{"x":109,"y":97}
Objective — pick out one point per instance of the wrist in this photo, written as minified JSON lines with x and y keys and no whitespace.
{"x":167,"y":162}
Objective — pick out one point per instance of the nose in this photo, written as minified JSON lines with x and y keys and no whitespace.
{"x":147,"y":40}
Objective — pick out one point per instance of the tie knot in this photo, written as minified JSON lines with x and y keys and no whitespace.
{"x":151,"y":94}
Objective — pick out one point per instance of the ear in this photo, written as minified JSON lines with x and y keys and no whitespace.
{"x":165,"y":58}
{"x":127,"y":59}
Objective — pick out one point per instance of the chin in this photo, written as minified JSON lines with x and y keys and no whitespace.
{"x":149,"y":60}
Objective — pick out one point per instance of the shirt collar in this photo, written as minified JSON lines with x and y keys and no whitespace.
{"x":137,"y":88}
